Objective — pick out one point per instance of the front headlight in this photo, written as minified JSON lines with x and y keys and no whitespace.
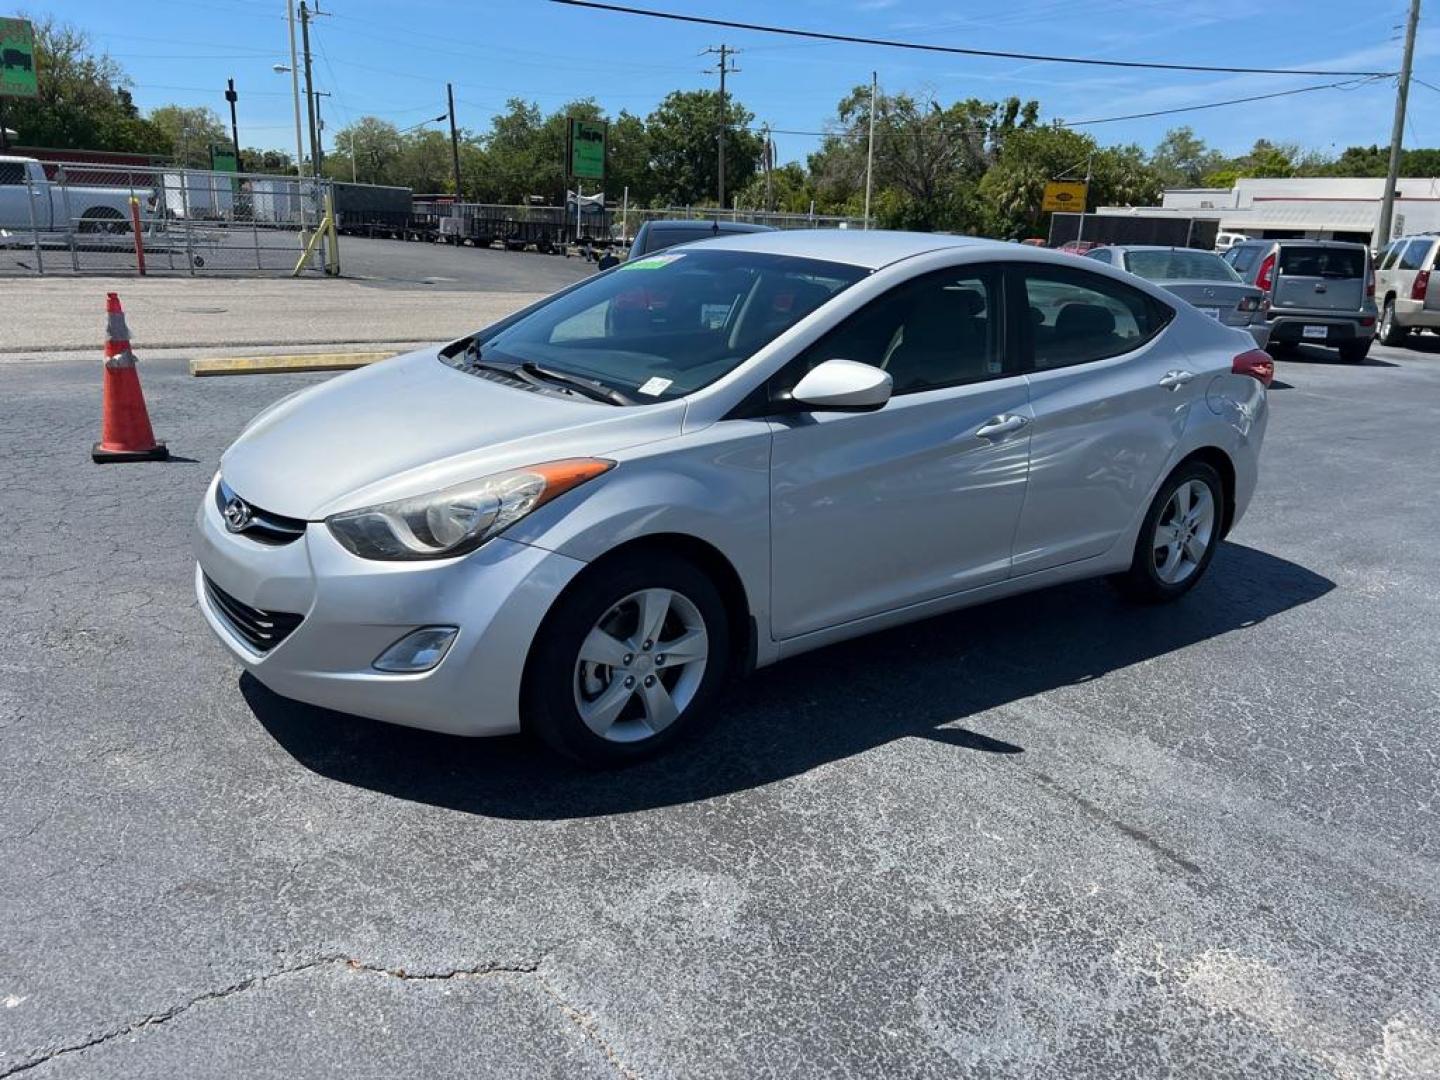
{"x":457,"y":520}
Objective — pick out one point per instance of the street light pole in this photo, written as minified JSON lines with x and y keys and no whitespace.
{"x":1397,"y":133}
{"x":232,"y":97}
{"x":295,"y":89}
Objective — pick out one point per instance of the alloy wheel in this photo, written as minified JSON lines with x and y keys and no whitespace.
{"x":1184,"y":532}
{"x":640,"y":665}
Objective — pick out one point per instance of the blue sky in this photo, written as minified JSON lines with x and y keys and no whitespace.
{"x":392,"y":60}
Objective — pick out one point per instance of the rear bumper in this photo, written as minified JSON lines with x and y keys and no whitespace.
{"x":1289,"y":328}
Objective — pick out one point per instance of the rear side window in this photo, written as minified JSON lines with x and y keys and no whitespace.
{"x":1327,"y":262}
{"x":1177,"y":265}
{"x":1414,"y":255}
{"x":1073,"y":317}
{"x":1243,"y":258}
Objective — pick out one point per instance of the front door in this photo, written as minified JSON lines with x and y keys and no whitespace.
{"x":878,"y":510}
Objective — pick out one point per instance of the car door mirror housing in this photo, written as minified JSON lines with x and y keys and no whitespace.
{"x":843,"y":386}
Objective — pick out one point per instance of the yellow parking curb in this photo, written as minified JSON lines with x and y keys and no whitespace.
{"x":270,"y":365}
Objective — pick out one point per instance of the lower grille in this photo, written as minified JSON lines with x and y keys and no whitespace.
{"x":261,"y":630}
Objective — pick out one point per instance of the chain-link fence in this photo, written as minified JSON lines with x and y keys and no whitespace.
{"x":68,"y":217}
{"x":546,"y":228}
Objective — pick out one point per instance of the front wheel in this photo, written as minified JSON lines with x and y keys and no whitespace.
{"x":630,"y":660}
{"x":1178,"y":536}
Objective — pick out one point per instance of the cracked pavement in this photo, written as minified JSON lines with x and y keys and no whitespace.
{"x":1054,"y":835}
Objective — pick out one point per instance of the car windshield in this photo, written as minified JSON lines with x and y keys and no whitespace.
{"x":1179,"y":266}
{"x":1330,"y":262}
{"x":666,"y":325}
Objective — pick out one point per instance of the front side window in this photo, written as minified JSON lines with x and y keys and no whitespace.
{"x":1074,"y":317}
{"x":12,"y":173}
{"x":941,"y":329}
{"x":1243,"y":258}
{"x":665,"y":325}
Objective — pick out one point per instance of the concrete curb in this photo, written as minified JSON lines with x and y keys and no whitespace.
{"x":271,"y":365}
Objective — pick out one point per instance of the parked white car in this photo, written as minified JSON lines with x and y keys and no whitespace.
{"x":28,"y":199}
{"x":581,"y":520}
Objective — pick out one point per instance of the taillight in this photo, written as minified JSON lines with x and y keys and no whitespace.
{"x":1265,"y":278}
{"x":1255,"y":363}
{"x":1422,"y":282}
{"x":1370,"y":284}
{"x":1248,"y":303}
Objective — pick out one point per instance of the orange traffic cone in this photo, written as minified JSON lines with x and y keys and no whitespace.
{"x":125,"y":433}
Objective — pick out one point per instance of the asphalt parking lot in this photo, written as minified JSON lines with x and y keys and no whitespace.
{"x":1053,"y":836}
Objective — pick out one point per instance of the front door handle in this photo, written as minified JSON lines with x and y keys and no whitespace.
{"x":1173,"y":380}
{"x":999,"y":426}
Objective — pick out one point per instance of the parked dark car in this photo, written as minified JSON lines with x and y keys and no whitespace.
{"x":656,"y":235}
{"x":1317,"y":292}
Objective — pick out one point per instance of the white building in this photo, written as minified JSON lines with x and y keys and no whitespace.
{"x":1308,"y":208}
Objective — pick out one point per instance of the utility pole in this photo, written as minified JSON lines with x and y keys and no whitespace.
{"x":723,"y":68}
{"x":309,"y":91}
{"x":870,"y":148}
{"x":768,"y":160}
{"x":232,"y":97}
{"x":454,"y":140}
{"x":1397,"y":133}
{"x":320,"y":130}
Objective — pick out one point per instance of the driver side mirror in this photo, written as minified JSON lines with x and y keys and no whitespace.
{"x":843,"y":386}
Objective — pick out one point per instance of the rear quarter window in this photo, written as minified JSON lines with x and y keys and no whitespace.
{"x":1243,"y":258}
{"x":1415,"y":255}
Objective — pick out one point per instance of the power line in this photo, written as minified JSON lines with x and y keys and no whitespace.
{"x":851,"y":39}
{"x":1345,"y":85}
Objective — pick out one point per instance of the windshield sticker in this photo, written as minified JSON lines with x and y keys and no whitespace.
{"x":654,"y":262}
{"x":655,"y":387}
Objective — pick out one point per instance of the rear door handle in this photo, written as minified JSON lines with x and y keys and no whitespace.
{"x":999,"y":426}
{"x":1173,"y":380}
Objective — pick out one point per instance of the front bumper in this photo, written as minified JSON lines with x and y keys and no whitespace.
{"x":353,"y":609}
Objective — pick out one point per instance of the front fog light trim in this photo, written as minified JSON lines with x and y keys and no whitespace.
{"x":419,"y":650}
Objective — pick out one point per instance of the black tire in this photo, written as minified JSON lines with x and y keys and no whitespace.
{"x":1142,"y":582}
{"x":553,"y":682}
{"x":1354,"y":352}
{"x":101,"y":219}
{"x":1391,"y":333}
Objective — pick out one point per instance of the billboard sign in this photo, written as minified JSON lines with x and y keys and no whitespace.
{"x":17,"y":59}
{"x":586,"y":157}
{"x":1064,"y":196}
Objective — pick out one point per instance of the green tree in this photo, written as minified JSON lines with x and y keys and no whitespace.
{"x":189,"y":133}
{"x":369,"y":150}
{"x":84,"y":101}
{"x":254,"y":160}
{"x":683,"y":134}
{"x":1181,"y":159}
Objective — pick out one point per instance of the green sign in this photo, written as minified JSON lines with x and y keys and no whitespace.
{"x":222,"y":159}
{"x":587,"y":149}
{"x":17,"y":59}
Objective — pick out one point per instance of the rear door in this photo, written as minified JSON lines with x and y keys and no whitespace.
{"x":1320,"y":277}
{"x":1110,"y":390}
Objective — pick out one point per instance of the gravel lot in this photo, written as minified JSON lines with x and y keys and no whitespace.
{"x":1051,"y":836}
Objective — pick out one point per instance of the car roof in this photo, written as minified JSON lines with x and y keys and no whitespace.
{"x":1311,"y":243}
{"x":871,"y":249}
{"x":1157,"y":247}
{"x":718,"y":226}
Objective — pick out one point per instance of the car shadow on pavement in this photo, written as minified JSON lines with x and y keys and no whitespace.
{"x":926,"y":680}
{"x":1320,"y":357}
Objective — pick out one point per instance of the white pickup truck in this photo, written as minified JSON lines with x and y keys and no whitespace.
{"x":23,"y":185}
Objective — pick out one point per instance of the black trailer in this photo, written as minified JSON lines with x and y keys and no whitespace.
{"x":1163,"y":230}
{"x":373,"y":210}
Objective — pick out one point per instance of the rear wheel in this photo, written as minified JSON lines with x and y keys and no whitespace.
{"x":1178,"y":536}
{"x":1391,"y":333}
{"x":101,"y":219}
{"x":1354,"y":352}
{"x":630,"y":659}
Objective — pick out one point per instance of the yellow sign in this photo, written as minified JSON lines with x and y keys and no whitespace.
{"x":1064,"y":195}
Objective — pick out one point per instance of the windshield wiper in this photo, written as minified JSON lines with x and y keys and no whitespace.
{"x":591,"y":388}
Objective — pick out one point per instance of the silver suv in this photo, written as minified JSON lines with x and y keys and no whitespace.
{"x":1317,"y":292}
{"x":1402,"y":287}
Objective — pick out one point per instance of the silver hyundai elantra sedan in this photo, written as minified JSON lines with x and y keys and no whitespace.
{"x":580,"y":521}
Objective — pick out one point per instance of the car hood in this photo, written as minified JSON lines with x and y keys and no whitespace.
{"x":413,"y":424}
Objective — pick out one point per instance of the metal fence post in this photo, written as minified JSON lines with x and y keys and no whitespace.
{"x":185,"y":210}
{"x":34,"y":224}
{"x":60,"y":175}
